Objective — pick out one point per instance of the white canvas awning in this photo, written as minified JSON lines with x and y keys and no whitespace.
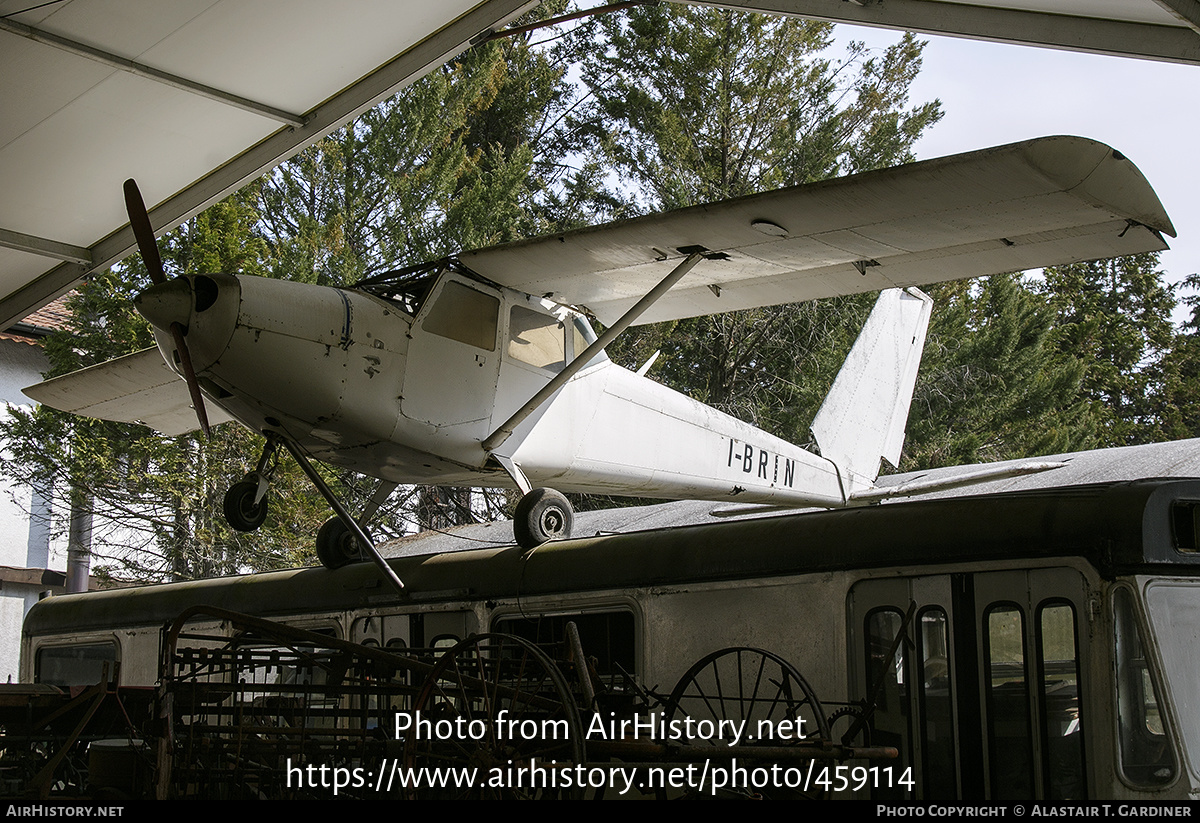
{"x":193,"y":98}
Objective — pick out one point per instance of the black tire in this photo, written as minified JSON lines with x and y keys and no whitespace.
{"x":240,"y":511}
{"x":337,"y":545}
{"x":542,"y":515}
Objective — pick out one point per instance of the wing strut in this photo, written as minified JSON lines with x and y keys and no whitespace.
{"x":497,"y":438}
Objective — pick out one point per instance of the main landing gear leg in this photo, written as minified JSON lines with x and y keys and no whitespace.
{"x":351,"y":525}
{"x":246,"y":501}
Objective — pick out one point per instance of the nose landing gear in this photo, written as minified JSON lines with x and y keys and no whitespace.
{"x":246,"y":501}
{"x":245,"y":508}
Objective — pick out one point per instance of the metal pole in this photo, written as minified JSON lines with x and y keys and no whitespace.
{"x":79,"y":542}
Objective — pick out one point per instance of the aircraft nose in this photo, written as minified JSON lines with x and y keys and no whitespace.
{"x":166,"y":303}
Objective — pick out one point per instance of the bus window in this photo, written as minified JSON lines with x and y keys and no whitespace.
{"x":1146,"y":756}
{"x":81,"y":665}
{"x":1173,"y":607}
{"x":994,"y":705}
{"x":1062,"y":727}
{"x":608,"y":638}
{"x":1010,"y":745}
{"x":887,"y":679}
{"x":940,"y":771}
{"x":380,"y":630}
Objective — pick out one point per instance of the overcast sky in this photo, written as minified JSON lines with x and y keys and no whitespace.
{"x":994,"y":94}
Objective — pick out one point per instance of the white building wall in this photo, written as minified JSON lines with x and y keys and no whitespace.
{"x":26,"y":548}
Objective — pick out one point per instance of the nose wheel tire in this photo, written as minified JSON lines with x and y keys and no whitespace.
{"x":240,"y":509}
{"x":337,"y":545}
{"x":542,"y":515}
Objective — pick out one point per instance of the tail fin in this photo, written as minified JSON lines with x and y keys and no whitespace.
{"x":864,"y":414}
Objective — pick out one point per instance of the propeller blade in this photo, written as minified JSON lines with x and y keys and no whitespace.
{"x":139,"y":221}
{"x":189,"y":375}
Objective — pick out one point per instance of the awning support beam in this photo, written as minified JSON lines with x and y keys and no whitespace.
{"x":44,"y":247}
{"x":334,"y":113}
{"x":142,"y":70}
{"x":1188,"y":12}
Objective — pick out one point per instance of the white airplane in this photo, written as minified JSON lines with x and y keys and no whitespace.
{"x":482,"y":370}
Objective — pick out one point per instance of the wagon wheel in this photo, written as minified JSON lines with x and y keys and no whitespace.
{"x":497,"y":704}
{"x":751,"y":685}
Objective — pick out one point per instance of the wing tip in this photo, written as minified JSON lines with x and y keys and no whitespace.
{"x":1101,"y":174}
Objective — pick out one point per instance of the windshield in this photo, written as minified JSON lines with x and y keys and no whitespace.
{"x":1174,"y":610}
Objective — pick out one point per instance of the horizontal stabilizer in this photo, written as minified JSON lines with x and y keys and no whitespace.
{"x":865,"y":413}
{"x":136,"y":388}
{"x":921,"y":484}
{"x":984,"y":474}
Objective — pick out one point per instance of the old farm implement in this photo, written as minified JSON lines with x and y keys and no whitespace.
{"x":255,"y":709}
{"x":247,"y":708}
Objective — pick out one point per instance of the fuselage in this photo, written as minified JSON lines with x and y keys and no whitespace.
{"x":407,"y":392}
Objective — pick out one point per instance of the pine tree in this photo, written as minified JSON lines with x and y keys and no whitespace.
{"x":692,"y":105}
{"x":993,"y":383}
{"x":471,"y":155}
{"x":1116,"y":316}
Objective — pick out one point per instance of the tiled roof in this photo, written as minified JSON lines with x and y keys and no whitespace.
{"x":49,"y":318}
{"x":52,"y":317}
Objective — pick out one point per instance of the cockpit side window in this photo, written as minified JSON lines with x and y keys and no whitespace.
{"x":464,"y":314}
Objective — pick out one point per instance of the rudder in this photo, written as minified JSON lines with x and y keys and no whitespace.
{"x":863,"y":417}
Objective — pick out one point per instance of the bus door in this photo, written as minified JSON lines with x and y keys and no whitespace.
{"x":982,"y":694}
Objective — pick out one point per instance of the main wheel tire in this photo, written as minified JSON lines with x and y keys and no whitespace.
{"x":337,"y":545}
{"x":542,"y":515}
{"x":240,"y":509}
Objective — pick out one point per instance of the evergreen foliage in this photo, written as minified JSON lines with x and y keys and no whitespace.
{"x":694,"y":104}
{"x":993,"y":385}
{"x":1115,"y":315}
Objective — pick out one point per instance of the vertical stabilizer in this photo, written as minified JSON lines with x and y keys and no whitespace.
{"x":864,"y":415}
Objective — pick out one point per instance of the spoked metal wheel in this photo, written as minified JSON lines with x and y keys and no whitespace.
{"x":498,"y":705}
{"x":753,"y":690}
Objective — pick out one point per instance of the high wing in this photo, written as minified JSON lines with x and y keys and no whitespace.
{"x":1042,"y":202}
{"x":138,"y":388}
